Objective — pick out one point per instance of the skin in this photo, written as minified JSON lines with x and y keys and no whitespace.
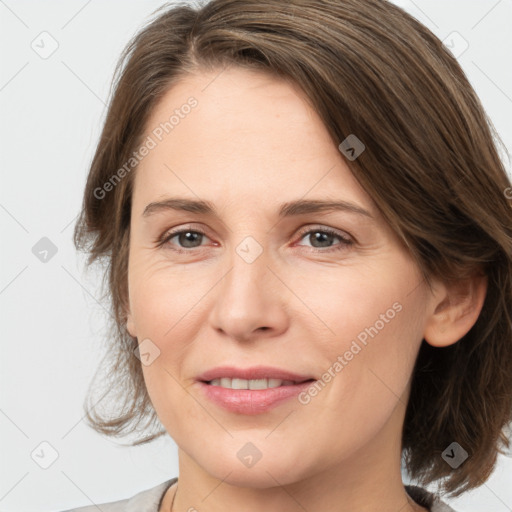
{"x":249,"y":136}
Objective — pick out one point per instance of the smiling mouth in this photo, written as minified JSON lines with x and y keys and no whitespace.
{"x":252,"y":384}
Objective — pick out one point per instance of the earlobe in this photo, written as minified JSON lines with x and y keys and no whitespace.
{"x":456,"y":309}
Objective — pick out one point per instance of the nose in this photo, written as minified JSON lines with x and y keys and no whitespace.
{"x":250,"y":300}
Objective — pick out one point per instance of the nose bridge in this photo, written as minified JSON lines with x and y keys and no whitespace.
{"x":246,"y":282}
{"x":246,"y":299}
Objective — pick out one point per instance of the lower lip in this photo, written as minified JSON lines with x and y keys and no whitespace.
{"x":247,"y":401}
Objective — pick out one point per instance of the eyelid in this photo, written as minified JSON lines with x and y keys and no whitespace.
{"x":172,"y":232}
{"x":334,"y":231}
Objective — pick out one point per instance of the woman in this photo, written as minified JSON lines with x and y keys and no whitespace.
{"x":308,"y":236}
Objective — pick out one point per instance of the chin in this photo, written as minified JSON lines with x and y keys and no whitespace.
{"x":263,"y":474}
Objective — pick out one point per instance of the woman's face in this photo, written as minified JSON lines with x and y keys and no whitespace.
{"x":328,"y":294}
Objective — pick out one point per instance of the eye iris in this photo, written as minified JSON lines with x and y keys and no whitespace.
{"x":184,"y":241}
{"x":320,"y":236}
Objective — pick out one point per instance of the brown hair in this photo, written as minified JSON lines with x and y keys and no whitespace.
{"x":431,"y":165}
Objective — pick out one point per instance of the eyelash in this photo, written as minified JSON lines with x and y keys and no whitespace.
{"x":346,"y":242}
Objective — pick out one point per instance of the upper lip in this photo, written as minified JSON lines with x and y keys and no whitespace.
{"x":254,"y":372}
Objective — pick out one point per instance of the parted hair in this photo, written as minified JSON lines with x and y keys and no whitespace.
{"x":431,"y":165}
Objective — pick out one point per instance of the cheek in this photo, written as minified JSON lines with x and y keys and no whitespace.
{"x":366,"y":365}
{"x":164,"y":297}
{"x":168,"y":309}
{"x":380,"y":300}
{"x":376,"y":322}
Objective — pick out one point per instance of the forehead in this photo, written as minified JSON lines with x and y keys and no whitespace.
{"x":237,"y":133}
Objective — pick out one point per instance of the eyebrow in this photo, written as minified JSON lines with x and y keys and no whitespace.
{"x":289,"y":209}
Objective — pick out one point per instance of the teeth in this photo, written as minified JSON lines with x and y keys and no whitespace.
{"x":226,"y":382}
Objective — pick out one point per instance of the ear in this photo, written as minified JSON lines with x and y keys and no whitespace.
{"x":456,"y":307}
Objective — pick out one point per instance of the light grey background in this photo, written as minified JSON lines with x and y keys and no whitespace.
{"x":51,"y":323}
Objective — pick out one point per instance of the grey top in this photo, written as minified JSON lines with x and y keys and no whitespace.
{"x":150,"y":500}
